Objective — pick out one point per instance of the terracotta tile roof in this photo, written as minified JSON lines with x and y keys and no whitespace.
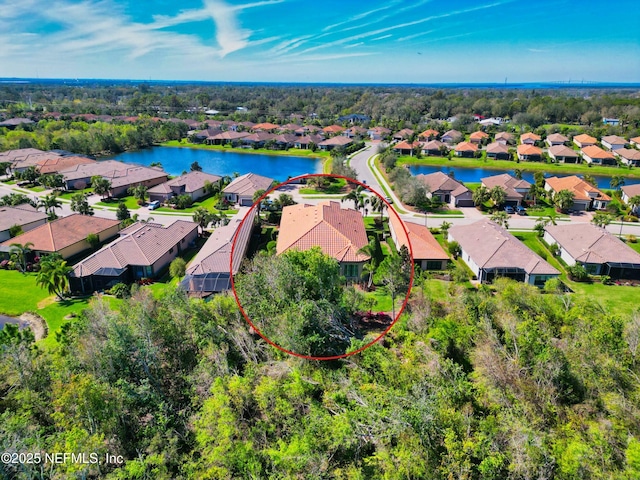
{"x":590,"y":244}
{"x":583,"y":139}
{"x":339,"y":232}
{"x":524,"y":149}
{"x":432,"y":145}
{"x":562,"y":151}
{"x":508,"y":183}
{"x":307,"y":139}
{"x":628,"y":153}
{"x":578,"y":186}
{"x":557,"y":138}
{"x":466,"y":147}
{"x":404,"y":145}
{"x":423,"y":244}
{"x":479,"y":135}
{"x":333,"y":129}
{"x":142,"y":246}
{"x":19,"y":154}
{"x":631,"y":190}
{"x":191,"y":181}
{"x":429,"y":133}
{"x":19,"y":215}
{"x":440,"y":182}
{"x":593,"y":151}
{"x":635,"y":140}
{"x":404,"y":133}
{"x":504,"y":136}
{"x":230,"y":135}
{"x":259,"y":137}
{"x":491,"y":246}
{"x":496,"y":147}
{"x":248,"y":184}
{"x":290,"y":127}
{"x":265,"y":126}
{"x":63,"y":232}
{"x":529,"y":136}
{"x":57,"y":164}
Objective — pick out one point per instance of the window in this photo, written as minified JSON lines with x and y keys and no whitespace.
{"x":171,"y":250}
{"x":350,"y":270}
{"x":434,"y":265}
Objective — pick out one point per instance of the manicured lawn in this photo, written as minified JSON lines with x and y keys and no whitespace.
{"x":336,"y":187}
{"x":37,"y":188}
{"x":292,"y":152}
{"x":383,"y":300}
{"x":70,"y":193}
{"x":473,"y":186}
{"x":544,"y":211}
{"x":550,"y":168}
{"x":383,"y":180}
{"x":635,"y":246}
{"x":436,"y":289}
{"x":130,"y":202}
{"x":208,"y":203}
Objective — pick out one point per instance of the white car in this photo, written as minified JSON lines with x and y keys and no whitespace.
{"x":153,"y":205}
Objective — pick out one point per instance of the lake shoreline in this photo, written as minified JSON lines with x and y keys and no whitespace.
{"x":250,"y":151}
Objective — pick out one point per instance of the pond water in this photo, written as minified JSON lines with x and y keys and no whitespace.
{"x":177,"y":160}
{"x":4,"y":319}
{"x":473,"y":175}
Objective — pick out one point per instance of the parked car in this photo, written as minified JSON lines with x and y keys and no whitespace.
{"x":153,"y":205}
{"x":509,"y":209}
{"x":520,"y":210}
{"x":389,"y":199}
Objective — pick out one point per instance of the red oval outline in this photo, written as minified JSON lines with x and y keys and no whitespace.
{"x":311,"y":357}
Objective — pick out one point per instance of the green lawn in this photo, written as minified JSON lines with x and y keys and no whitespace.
{"x":635,"y":246}
{"x":208,"y":203}
{"x":436,"y":289}
{"x":70,"y":193}
{"x":37,"y":188}
{"x":383,"y":300}
{"x":336,"y":187}
{"x":129,"y":201}
{"x":292,"y":152}
{"x":551,"y":168}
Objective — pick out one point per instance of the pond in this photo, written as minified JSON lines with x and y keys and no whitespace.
{"x":473,"y":175}
{"x":4,"y":320}
{"x":177,"y":160}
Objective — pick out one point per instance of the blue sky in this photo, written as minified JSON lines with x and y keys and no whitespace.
{"x":371,"y":41}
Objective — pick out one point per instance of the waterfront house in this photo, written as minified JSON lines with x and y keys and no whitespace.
{"x":241,"y":190}
{"x":635,"y":141}
{"x":478,"y":137}
{"x":339,"y":232}
{"x":529,"y":153}
{"x":613,"y":142}
{"x":258,"y":139}
{"x":584,"y":140}
{"x":210,"y":270}
{"x":406,"y":148}
{"x":556,"y":139}
{"x":628,"y":156}
{"x":517,"y":191}
{"x":597,"y":250}
{"x":446,"y":189}
{"x":227,"y":137}
{"x":433,"y":147}
{"x":585,"y":195}
{"x":24,"y":216}
{"x":505,"y":138}
{"x":498,"y":151}
{"x":333,"y":130}
{"x":564,"y":154}
{"x":629,"y":191}
{"x":491,"y":252}
{"x":143,"y":250}
{"x":191,"y":183}
{"x":66,"y":235}
{"x":426,"y":252}
{"x":529,"y":138}
{"x":597,"y":156}
{"x":466,"y":149}
{"x":304,"y":142}
{"x":335,"y":142}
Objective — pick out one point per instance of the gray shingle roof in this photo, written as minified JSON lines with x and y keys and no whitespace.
{"x":19,"y":215}
{"x":248,"y":184}
{"x":191,"y":181}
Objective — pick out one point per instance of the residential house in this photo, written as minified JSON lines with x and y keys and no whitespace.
{"x":429,"y":134}
{"x":425,"y":249}
{"x":405,"y":147}
{"x":192,"y":184}
{"x":339,"y":232}
{"x":242,"y":189}
{"x":335,"y":142}
{"x":614,"y":122}
{"x":529,"y":138}
{"x":210,"y":270}
{"x":529,"y":153}
{"x":498,"y":151}
{"x":597,"y":250}
{"x":478,"y":137}
{"x":505,"y":138}
{"x":635,"y":141}
{"x":564,"y":154}
{"x":584,"y":140}
{"x":491,"y":122}
{"x":491,"y":252}
{"x":304,"y":142}
{"x":12,"y":123}
{"x":629,"y":191}
{"x":628,"y":156}
{"x":66,"y":235}
{"x":378,"y":133}
{"x":121,"y":175}
{"x":258,"y":139}
{"x":333,"y":130}
{"x":451,"y":137}
{"x":143,"y":250}
{"x":613,"y":142}
{"x":289,"y":128}
{"x":355,"y":132}
{"x":446,"y":189}
{"x":24,"y":216}
{"x":56,"y":164}
{"x":466,"y":149}
{"x":265,"y":127}
{"x":556,"y":139}
{"x":517,"y":190}
{"x":403,"y":134}
{"x":597,"y":156}
{"x":354,"y":118}
{"x":227,"y":137}
{"x":284,"y":141}
{"x":585,"y":195}
{"x":433,"y":147}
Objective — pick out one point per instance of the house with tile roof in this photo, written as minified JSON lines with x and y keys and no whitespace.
{"x":191,"y":183}
{"x":597,"y":250}
{"x":333,"y":130}
{"x":433,"y":147}
{"x":491,"y":252}
{"x":478,"y":137}
{"x":504,"y":137}
{"x":498,"y":151}
{"x":56,"y":164}
{"x":466,"y":149}
{"x":403,"y":134}
{"x":613,"y":142}
{"x":258,"y":139}
{"x":335,"y":142}
{"x":355,"y":132}
{"x":629,"y":191}
{"x":426,"y":251}
{"x":242,"y":189}
{"x":446,"y":189}
{"x":597,"y":156}
{"x":429,"y":134}
{"x":210,"y":270}
{"x":339,"y":232}
{"x":564,"y":154}
{"x":265,"y":127}
{"x":585,"y":195}
{"x":378,"y":133}
{"x":66,"y":235}
{"x":227,"y":137}
{"x":517,"y":191}
{"x":628,"y":156}
{"x":143,"y":250}
{"x":635,"y":141}
{"x":304,"y":142}
{"x":529,"y":153}
{"x":24,"y":216}
{"x":529,"y":138}
{"x":451,"y":137}
{"x":556,"y":139}
{"x":584,"y":140}
{"x":405,"y":147}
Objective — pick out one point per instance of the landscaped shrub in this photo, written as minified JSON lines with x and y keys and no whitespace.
{"x":578,"y":273}
{"x":631,"y":238}
{"x":177,"y":268}
{"x":120,"y":290}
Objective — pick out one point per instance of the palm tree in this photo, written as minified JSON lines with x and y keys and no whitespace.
{"x":518,"y":173}
{"x":101,"y":186}
{"x":501,"y":218}
{"x":202,"y":217}
{"x":355,"y":195}
{"x":371,"y":249}
{"x":534,"y":192}
{"x":139,"y":193}
{"x":563,"y":200}
{"x":19,"y":252}
{"x":601,"y":219}
{"x":53,"y":275}
{"x":256,"y":196}
{"x":80,"y":204}
{"x":481,"y":195}
{"x":50,"y":202}
{"x":444,"y":228}
{"x":498,"y":195}
{"x":617,"y":182}
{"x":587,"y":177}
{"x":634,"y":202}
{"x":377,"y":205}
